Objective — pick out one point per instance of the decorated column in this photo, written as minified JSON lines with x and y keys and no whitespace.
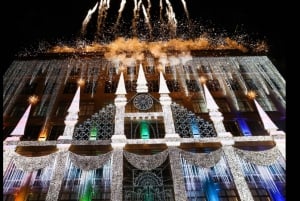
{"x":58,"y":173}
{"x":177,"y":175}
{"x":118,"y":142}
{"x":120,"y":102}
{"x":165,"y":100}
{"x":236,"y":171}
{"x":8,"y":153}
{"x":214,"y":114}
{"x":117,"y":175}
{"x":72,"y":117}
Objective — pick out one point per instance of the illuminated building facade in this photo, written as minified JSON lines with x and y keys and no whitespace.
{"x":196,"y":128}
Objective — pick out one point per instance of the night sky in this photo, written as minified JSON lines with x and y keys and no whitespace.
{"x":27,"y":22}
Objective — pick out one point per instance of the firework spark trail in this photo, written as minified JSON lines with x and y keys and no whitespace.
{"x":134,"y":17}
{"x":87,"y":19}
{"x":102,"y":13}
{"x":120,"y":11}
{"x":185,"y":9}
{"x":148,"y":9}
{"x":171,"y":18}
{"x":147,"y":20}
{"x":136,"y":11}
{"x":160,"y":10}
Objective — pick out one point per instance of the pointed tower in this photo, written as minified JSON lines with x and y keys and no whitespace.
{"x":272,"y":129}
{"x":214,"y":114}
{"x":172,"y":138}
{"x":20,"y":128}
{"x":141,"y":81}
{"x":269,"y":126}
{"x":72,"y":117}
{"x":119,"y":138}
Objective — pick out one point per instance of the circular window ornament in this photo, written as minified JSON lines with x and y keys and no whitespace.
{"x":143,"y":102}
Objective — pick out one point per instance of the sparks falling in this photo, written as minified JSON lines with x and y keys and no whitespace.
{"x":157,"y":38}
{"x":88,"y":18}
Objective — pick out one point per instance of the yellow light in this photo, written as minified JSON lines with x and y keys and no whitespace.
{"x":160,"y":68}
{"x":251,"y":94}
{"x":43,"y":135}
{"x":122,"y":68}
{"x":80,"y":82}
{"x":33,"y":99}
{"x":202,"y":79}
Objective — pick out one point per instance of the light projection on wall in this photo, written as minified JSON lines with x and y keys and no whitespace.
{"x":86,"y":185}
{"x":144,"y":130}
{"x":93,"y":133}
{"x":244,"y":127}
{"x":21,"y":185}
{"x":269,"y":177}
{"x":207,"y":183}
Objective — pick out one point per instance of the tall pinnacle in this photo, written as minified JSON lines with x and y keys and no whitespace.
{"x":74,"y":107}
{"x":210,"y":102}
{"x":163,"y":88}
{"x":20,"y":128}
{"x":121,"y":90}
{"x":215,"y":115}
{"x":267,"y":122}
{"x":141,"y":81}
{"x":72,"y":116}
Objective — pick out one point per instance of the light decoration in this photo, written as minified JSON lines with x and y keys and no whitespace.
{"x":251,"y":94}
{"x":198,"y":178}
{"x":244,"y":127}
{"x":87,"y":187}
{"x":93,"y":133}
{"x":194,"y":127}
{"x":33,"y":99}
{"x":80,"y":82}
{"x":202,"y":79}
{"x":43,"y":135}
{"x":85,"y":182}
{"x":271,"y":177}
{"x":144,"y":130}
{"x":20,"y":183}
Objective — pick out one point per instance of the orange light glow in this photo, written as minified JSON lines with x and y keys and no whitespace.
{"x":251,"y":94}
{"x":134,"y":47}
{"x":33,"y":99}
{"x":43,"y":135}
{"x":202,"y":79}
{"x":80,"y":82}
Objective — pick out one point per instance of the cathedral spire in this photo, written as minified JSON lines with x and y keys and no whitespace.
{"x":121,"y":90}
{"x":141,"y":81}
{"x":215,"y":115}
{"x":163,"y":88}
{"x":74,"y":107}
{"x":267,"y":122}
{"x":210,"y":102}
{"x":20,"y":128}
{"x":72,"y":116}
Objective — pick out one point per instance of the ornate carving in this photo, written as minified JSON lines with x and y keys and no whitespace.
{"x":143,"y":101}
{"x":101,"y":124}
{"x":146,"y":162}
{"x":89,"y":162}
{"x":30,"y":164}
{"x":188,"y":125}
{"x":205,"y":160}
{"x":266,"y":157}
